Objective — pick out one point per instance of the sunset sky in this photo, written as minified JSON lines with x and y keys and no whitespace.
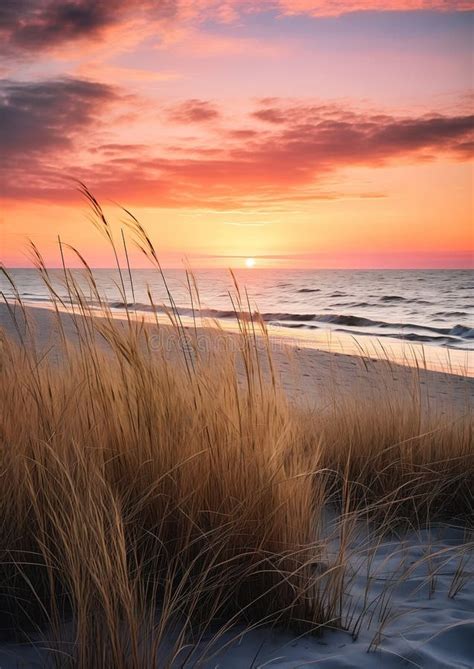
{"x":301,"y":133}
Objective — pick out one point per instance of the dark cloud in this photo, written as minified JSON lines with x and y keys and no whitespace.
{"x":27,"y":25}
{"x":436,"y":131}
{"x":44,"y":116}
{"x":30,"y":25}
{"x":322,"y":137}
{"x":194,"y":111}
{"x":40,"y":124}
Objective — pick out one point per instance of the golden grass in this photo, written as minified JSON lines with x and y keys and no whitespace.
{"x":146,"y":497}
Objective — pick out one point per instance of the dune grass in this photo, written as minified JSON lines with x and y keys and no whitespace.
{"x":154,"y":501}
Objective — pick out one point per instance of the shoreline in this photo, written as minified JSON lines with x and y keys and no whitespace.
{"x":313,"y":376}
{"x":443,"y":359}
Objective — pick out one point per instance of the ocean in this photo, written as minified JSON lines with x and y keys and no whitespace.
{"x":432,"y":307}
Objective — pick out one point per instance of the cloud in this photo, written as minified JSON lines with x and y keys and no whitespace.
{"x":329,"y":135}
{"x":271,"y":115}
{"x":37,"y":24}
{"x":30,"y":26}
{"x":40,"y":124}
{"x":193,"y":111}
{"x":290,"y":159}
{"x":45,"y":116}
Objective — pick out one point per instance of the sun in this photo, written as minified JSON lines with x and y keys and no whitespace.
{"x":250,"y":262}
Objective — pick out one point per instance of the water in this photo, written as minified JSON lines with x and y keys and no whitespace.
{"x":432,"y":307}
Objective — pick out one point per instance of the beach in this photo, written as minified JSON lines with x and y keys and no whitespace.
{"x":407,"y":589}
{"x":310,"y":372}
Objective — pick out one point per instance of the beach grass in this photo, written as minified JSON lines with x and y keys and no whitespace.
{"x":151,"y":503}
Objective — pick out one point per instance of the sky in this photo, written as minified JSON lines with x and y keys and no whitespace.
{"x":300,"y":133}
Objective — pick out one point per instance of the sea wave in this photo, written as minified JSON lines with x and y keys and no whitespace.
{"x":342,"y":322}
{"x":399,"y":298}
{"x":392,"y":298}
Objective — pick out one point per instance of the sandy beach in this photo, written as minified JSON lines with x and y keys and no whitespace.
{"x":408,"y":592}
{"x":309,"y":374}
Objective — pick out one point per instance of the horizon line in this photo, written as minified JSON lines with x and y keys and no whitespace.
{"x":256,"y":269}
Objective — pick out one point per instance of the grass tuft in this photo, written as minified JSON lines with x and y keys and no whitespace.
{"x":154,"y":501}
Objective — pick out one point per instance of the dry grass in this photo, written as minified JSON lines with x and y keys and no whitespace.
{"x":154,"y":501}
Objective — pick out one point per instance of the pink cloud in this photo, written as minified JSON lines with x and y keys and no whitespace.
{"x":193,"y":111}
{"x":290,"y":148}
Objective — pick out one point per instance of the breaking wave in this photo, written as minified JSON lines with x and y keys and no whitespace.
{"x":343,"y":322}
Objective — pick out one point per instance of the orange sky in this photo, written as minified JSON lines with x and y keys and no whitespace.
{"x":283,"y":131}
